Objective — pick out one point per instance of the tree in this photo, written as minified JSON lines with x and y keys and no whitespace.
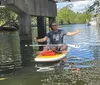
{"x":67,"y":16}
{"x":6,"y":15}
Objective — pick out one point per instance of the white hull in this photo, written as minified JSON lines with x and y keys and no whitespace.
{"x":93,"y":23}
{"x":44,"y":59}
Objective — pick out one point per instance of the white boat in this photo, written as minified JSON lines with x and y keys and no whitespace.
{"x":93,"y":22}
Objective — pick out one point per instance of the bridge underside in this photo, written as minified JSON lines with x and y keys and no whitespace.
{"x":67,"y":0}
{"x":26,"y":9}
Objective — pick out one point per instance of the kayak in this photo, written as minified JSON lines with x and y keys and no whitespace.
{"x":56,"y":57}
{"x":52,"y":57}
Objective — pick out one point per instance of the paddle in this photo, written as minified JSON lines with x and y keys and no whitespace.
{"x":70,"y":45}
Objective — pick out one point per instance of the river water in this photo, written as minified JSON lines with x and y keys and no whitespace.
{"x":82,"y":66}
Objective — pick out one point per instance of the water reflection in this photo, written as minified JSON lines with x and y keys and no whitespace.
{"x":9,"y":50}
{"x":80,"y":55}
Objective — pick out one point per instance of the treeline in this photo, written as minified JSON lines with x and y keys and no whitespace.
{"x":67,"y":16}
{"x":64,"y":16}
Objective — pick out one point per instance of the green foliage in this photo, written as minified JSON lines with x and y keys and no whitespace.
{"x":67,"y":16}
{"x":6,"y":15}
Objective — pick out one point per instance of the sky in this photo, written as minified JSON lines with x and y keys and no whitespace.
{"x":78,"y":6}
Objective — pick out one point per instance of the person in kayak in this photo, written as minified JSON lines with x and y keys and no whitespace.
{"x":56,"y":37}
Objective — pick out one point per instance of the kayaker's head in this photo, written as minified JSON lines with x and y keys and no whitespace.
{"x":54,"y":26}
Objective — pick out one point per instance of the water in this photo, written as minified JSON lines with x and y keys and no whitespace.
{"x":10,"y":56}
{"x":82,"y":66}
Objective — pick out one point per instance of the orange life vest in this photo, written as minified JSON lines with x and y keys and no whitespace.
{"x":48,"y":53}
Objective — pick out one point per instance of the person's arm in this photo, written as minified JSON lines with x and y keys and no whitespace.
{"x":72,"y":33}
{"x":41,"y":40}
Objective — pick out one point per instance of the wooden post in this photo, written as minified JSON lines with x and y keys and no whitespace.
{"x":25,"y":37}
{"x":41,"y":24}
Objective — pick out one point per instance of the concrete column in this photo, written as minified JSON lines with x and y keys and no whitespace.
{"x":25,"y":37}
{"x":41,"y":24}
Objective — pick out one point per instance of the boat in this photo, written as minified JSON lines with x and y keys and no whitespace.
{"x":52,"y":57}
{"x":56,"y":57}
{"x":93,"y":22}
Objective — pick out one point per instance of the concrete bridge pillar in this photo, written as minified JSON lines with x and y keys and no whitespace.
{"x":25,"y":37}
